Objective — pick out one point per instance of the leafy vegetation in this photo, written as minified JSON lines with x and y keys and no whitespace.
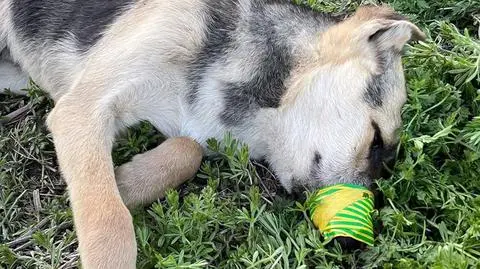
{"x":234,"y":214}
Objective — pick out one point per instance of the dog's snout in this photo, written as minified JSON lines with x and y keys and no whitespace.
{"x":389,"y":160}
{"x":390,"y":155}
{"x":381,"y":162}
{"x":348,"y":244}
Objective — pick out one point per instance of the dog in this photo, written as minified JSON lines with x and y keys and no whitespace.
{"x":317,"y":96}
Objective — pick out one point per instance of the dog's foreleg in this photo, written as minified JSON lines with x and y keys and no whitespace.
{"x":83,"y":130}
{"x":149,"y":175}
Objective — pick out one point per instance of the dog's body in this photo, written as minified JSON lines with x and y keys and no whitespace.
{"x":267,"y":71}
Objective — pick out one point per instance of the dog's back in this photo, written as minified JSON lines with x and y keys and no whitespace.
{"x":241,"y":52}
{"x":54,"y":41}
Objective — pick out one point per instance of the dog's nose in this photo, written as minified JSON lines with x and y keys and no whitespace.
{"x":347,"y":244}
{"x":389,"y":159}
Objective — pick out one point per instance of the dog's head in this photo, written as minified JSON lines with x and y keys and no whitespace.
{"x":340,"y":117}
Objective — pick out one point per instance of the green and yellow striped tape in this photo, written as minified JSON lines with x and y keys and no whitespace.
{"x":344,"y":210}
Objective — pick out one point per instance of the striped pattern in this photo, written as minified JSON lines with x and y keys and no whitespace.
{"x":344,"y":210}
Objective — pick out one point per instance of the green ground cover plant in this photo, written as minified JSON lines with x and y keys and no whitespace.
{"x":235,"y":215}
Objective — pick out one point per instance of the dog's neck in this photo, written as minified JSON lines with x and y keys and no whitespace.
{"x":268,"y":51}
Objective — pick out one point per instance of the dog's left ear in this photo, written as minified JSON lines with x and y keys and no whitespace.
{"x":386,"y":28}
{"x":370,"y":29}
{"x":394,"y":34}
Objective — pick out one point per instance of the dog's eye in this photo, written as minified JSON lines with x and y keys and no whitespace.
{"x":317,"y":158}
{"x":377,"y":142}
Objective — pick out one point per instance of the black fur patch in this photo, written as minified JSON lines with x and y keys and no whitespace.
{"x":266,"y":86}
{"x":375,"y":92}
{"x":317,"y":157}
{"x":53,"y":20}
{"x":269,"y":26}
{"x":221,"y":22}
{"x":380,"y":154}
{"x":379,"y":85}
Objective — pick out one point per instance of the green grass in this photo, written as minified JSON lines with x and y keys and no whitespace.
{"x":235,"y":215}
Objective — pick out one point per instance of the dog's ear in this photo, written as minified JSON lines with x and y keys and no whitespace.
{"x":383,"y":26}
{"x":363,"y":34}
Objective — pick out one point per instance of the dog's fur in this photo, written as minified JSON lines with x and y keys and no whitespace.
{"x":318,"y":97}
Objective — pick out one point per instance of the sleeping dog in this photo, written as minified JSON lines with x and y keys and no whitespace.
{"x":316,"y":96}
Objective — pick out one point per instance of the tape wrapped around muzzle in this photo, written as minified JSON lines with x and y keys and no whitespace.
{"x":344,"y":210}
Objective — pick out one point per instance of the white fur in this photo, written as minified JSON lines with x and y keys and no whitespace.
{"x":336,"y":124}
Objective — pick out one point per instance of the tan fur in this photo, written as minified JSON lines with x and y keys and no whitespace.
{"x":384,"y":12}
{"x":103,"y":224}
{"x":348,"y":41}
{"x":148,"y":175}
{"x":367,"y":13}
{"x":143,"y":26}
{"x":83,"y":135}
{"x":299,"y":77}
{"x":343,"y":42}
{"x":363,"y":147}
